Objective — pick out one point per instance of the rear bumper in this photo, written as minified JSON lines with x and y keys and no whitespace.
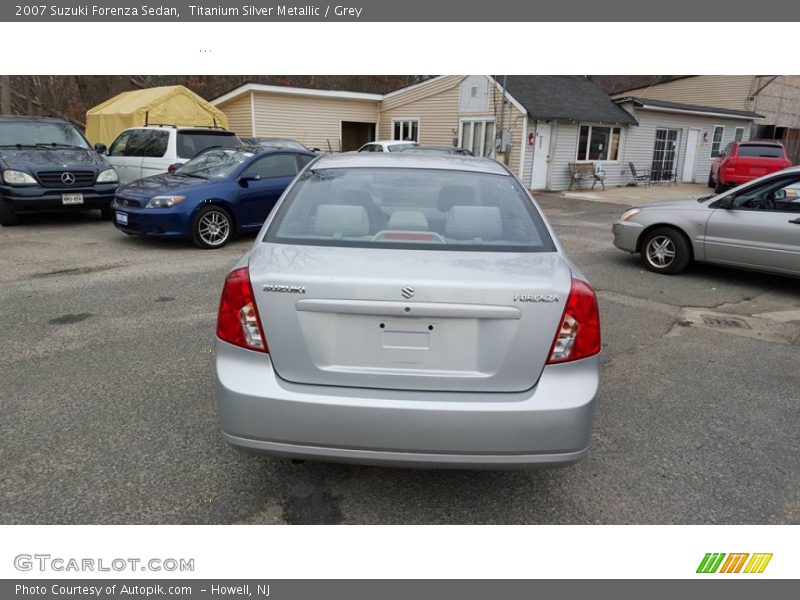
{"x":547,"y":425}
{"x":626,"y":235}
{"x":39,"y":199}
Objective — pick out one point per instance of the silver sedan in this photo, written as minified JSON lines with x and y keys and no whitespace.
{"x":411,"y":310}
{"x":753,"y":226}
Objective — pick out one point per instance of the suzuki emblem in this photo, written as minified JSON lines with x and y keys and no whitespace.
{"x":407,"y":292}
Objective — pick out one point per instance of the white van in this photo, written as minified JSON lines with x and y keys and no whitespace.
{"x":143,"y":151}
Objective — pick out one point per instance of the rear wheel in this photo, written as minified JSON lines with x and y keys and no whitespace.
{"x":212,"y":227}
{"x":106,"y":214}
{"x":666,"y":251}
{"x":720,"y":187}
{"x":711,"y":179}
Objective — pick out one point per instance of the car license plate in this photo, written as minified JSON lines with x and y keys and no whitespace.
{"x":122,"y":218}
{"x":71,"y":198}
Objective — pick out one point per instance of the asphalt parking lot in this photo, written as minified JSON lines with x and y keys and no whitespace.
{"x":107,"y":411}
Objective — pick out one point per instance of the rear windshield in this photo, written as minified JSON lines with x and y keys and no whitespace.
{"x":410,"y":208}
{"x":761,"y":150}
{"x":400,"y":147}
{"x":190,"y":143}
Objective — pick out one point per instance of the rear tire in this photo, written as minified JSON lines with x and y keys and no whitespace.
{"x":666,"y":251}
{"x":212,"y":227}
{"x":720,"y":187}
{"x":711,"y":179}
{"x":106,"y":214}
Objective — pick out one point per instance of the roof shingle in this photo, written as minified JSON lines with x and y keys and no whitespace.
{"x":565,"y":98}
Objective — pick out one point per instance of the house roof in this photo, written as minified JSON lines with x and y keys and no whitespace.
{"x":565,"y":98}
{"x":246,"y":88}
{"x":679,"y":107}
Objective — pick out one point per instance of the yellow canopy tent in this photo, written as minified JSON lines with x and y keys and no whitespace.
{"x":167,"y":105}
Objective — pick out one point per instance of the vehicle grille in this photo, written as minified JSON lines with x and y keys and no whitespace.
{"x":54,"y":178}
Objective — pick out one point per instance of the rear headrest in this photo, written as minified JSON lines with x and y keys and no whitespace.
{"x":470,"y":222}
{"x":340,"y":220}
{"x":455,"y":195}
{"x":408,"y":220}
{"x":354,"y":197}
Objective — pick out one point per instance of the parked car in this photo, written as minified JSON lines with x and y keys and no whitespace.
{"x":212,"y":197}
{"x":741,"y":162}
{"x":387,"y":146}
{"x":408,"y":310}
{"x":437,"y":150}
{"x":47,"y":165}
{"x":268,"y":142}
{"x":143,"y":151}
{"x":754,"y":226}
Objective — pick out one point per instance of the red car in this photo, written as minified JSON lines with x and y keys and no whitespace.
{"x":741,"y":162}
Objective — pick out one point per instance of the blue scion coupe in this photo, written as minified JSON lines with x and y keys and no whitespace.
{"x":217,"y":194}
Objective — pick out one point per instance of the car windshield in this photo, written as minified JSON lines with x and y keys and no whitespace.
{"x":424,"y":150}
{"x":276,"y":143}
{"x":410,"y":208}
{"x":761,"y":150}
{"x":214,"y":164}
{"x":400,"y":147}
{"x":191,"y":143}
{"x":33,"y":133}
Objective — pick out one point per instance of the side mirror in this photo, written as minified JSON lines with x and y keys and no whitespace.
{"x":174,"y":167}
{"x":726,"y":203}
{"x":243,"y":179}
{"x":779,"y":195}
{"x":100,"y":148}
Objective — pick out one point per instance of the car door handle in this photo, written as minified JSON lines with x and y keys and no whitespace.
{"x":795,"y":221}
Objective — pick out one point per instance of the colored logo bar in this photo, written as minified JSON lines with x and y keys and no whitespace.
{"x":737,"y":562}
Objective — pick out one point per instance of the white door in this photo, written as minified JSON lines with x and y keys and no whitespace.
{"x":541,"y":156}
{"x":691,"y":155}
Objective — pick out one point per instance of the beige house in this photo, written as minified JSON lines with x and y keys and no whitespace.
{"x":538,"y":116}
{"x":332,"y":121}
{"x":442,"y":111}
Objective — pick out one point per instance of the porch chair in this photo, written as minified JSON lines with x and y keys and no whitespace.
{"x":638,"y":178}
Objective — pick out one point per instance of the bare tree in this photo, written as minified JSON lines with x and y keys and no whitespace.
{"x":5,"y":94}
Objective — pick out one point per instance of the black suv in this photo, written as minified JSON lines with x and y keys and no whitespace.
{"x":46,"y":165}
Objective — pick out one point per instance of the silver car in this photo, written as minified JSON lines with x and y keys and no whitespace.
{"x":408,"y":310}
{"x":753,"y":226}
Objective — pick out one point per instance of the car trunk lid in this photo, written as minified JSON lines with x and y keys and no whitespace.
{"x":409,"y":319}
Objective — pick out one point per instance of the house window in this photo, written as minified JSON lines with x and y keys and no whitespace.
{"x":716,"y":140}
{"x":405,"y":129}
{"x":738,"y":134}
{"x":477,"y":135}
{"x":598,"y":143}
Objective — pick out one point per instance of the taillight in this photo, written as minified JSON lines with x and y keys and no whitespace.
{"x":578,"y":334}
{"x":238,"y":322}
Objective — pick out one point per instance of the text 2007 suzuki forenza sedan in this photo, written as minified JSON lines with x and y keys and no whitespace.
{"x":408,"y":310}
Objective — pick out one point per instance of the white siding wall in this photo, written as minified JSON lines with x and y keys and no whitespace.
{"x":530,"y":151}
{"x":641,"y":139}
{"x":479,"y":102}
{"x":637,"y":144}
{"x":565,"y":150}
